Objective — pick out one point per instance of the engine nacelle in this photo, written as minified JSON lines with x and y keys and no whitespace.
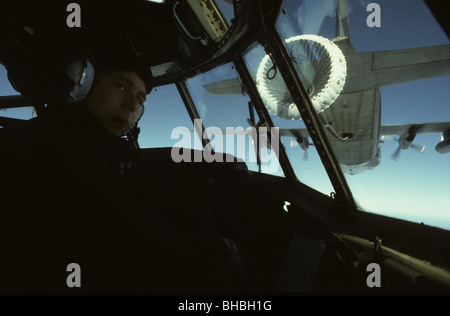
{"x":405,"y":141}
{"x":443,"y":147}
{"x":303,"y":143}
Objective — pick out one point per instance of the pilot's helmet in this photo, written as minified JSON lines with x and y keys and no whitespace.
{"x":123,"y":55}
{"x":39,"y":76}
{"x":113,"y":54}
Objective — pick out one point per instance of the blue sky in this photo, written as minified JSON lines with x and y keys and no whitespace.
{"x":415,"y":187}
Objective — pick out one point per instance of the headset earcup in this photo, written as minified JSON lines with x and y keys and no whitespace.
{"x":82,"y":74}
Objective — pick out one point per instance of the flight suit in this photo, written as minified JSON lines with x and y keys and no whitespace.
{"x":67,"y":197}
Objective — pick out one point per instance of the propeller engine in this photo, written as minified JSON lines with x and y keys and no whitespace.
{"x":443,"y":146}
{"x":405,"y":144}
{"x":304,"y":144}
{"x":406,"y":141}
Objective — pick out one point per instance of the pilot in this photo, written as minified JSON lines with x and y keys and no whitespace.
{"x":66,"y":199}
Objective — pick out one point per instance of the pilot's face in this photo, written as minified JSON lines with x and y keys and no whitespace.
{"x":117,"y":100}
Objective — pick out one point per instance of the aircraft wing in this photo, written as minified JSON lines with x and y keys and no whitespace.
{"x":388,"y":68}
{"x":404,"y":65}
{"x":284,"y":132}
{"x":225,"y":87}
{"x":297,"y":133}
{"x":423,"y":128}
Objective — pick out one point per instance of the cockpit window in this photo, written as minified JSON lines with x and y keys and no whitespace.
{"x":378,"y":75}
{"x":22,"y":113}
{"x":164,"y":115}
{"x":302,"y":154}
{"x":226,"y":8}
{"x":226,"y":114}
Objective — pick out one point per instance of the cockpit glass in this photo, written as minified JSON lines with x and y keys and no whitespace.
{"x":378,"y":75}
{"x":165,"y":114}
{"x":227,"y":118}
{"x":22,"y":113}
{"x":303,"y":157}
{"x":5,"y":85}
{"x":226,"y":8}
